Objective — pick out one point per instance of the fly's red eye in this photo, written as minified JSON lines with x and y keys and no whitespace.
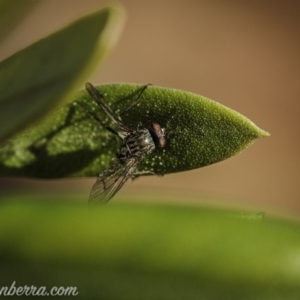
{"x":158,"y":135}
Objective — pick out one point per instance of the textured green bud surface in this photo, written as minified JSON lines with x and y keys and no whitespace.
{"x":70,"y":143}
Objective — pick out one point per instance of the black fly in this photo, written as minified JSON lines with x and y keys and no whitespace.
{"x":136,"y":144}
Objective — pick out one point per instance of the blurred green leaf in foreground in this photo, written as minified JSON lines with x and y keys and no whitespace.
{"x":148,"y":252}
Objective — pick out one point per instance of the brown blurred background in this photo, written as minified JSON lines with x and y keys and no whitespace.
{"x":243,"y":54}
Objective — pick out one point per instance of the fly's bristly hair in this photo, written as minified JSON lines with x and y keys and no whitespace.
{"x":136,"y":144}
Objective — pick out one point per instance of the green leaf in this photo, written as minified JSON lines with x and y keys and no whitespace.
{"x":12,"y":13}
{"x":37,"y":78}
{"x":71,"y":144}
{"x":148,"y":252}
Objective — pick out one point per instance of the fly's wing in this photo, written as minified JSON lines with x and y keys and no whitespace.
{"x":111,"y":180}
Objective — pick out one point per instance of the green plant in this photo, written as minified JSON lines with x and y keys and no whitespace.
{"x":125,"y":251}
{"x":69,"y":143}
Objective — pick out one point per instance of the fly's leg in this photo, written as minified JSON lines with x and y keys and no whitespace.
{"x":135,"y":175}
{"x":93,"y":116}
{"x":136,"y":101}
{"x":95,"y":94}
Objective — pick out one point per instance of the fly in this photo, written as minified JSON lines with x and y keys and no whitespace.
{"x":136,"y":144}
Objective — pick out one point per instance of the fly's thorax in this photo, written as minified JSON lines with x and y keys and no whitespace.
{"x":137,"y":144}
